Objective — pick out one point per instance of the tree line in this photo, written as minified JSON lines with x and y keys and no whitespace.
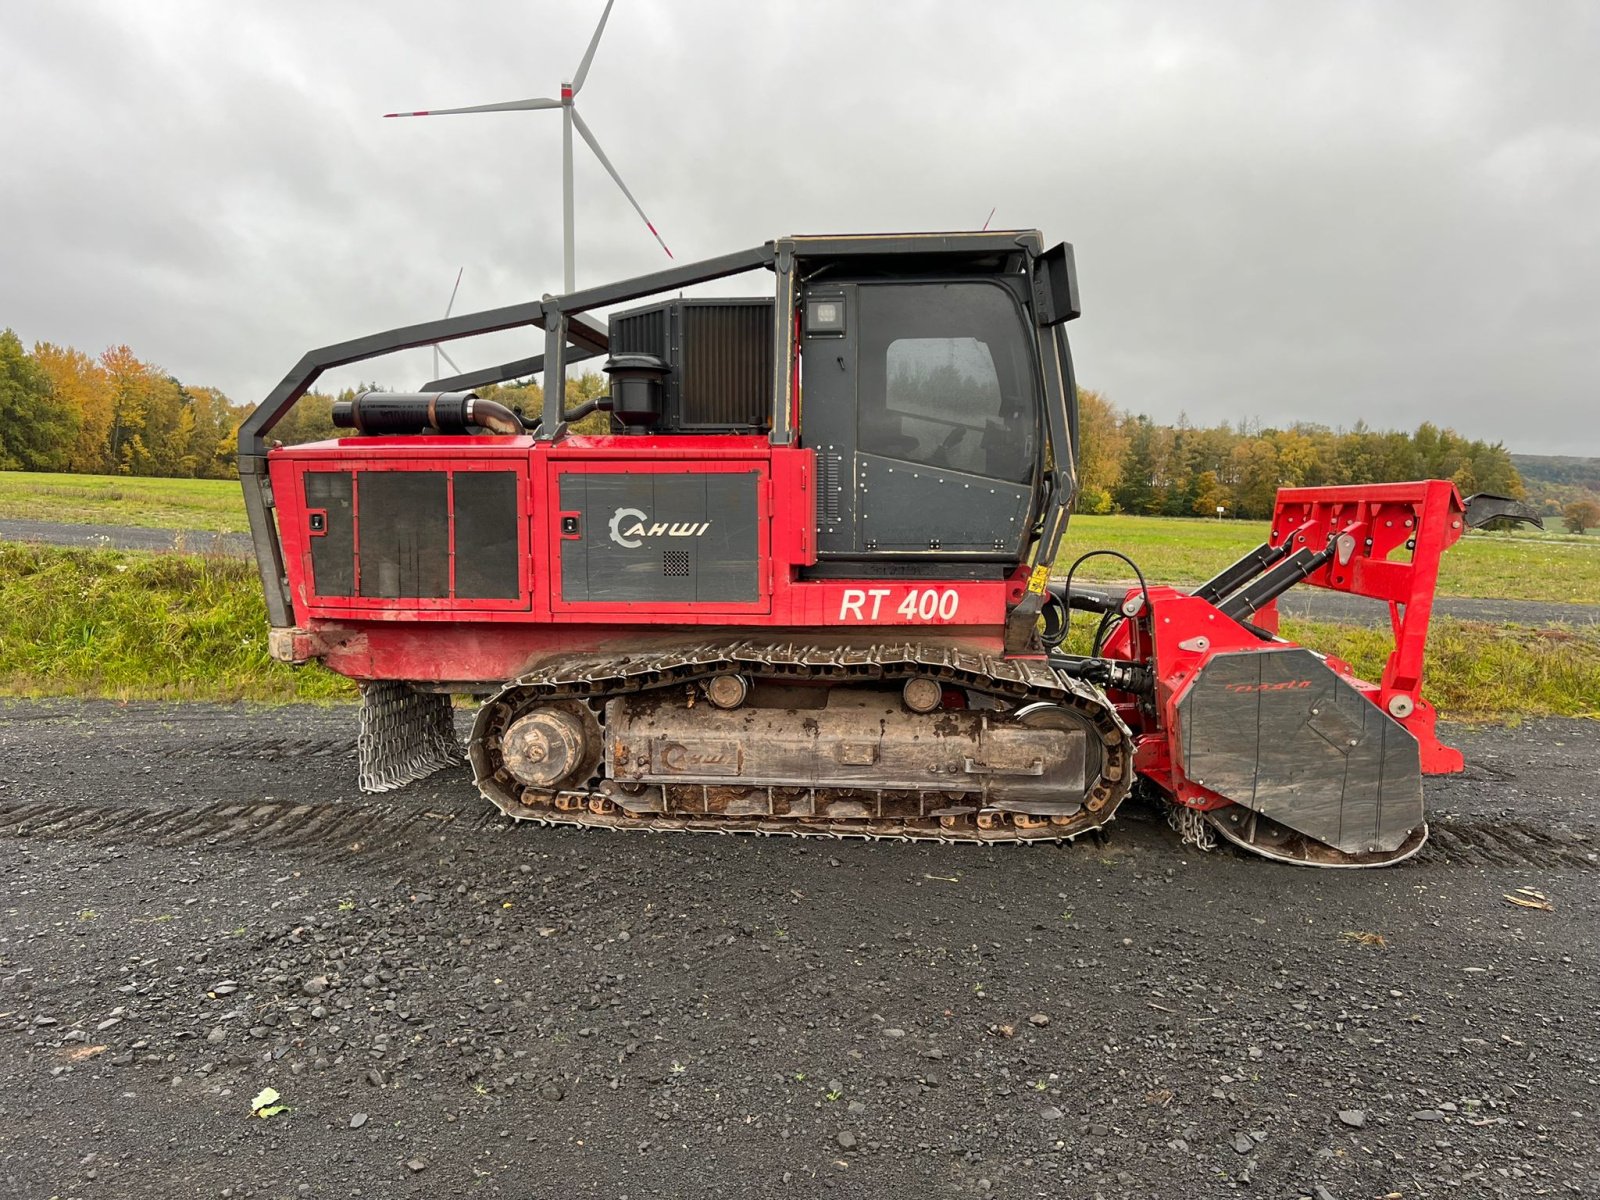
{"x":61,"y":410}
{"x":116,"y":414}
{"x":1128,"y":463}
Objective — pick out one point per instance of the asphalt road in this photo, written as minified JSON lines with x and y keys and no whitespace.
{"x":124,"y":537}
{"x":196,"y":904}
{"x":1313,"y":603}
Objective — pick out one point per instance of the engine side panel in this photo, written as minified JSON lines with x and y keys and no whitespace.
{"x":660,"y":537}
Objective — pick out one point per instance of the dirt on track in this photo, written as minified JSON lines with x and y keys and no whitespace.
{"x":198,"y":904}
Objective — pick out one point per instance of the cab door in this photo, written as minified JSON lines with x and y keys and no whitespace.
{"x":921,"y":402}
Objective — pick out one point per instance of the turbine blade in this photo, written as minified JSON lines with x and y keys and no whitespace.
{"x":588,"y":55}
{"x":504,"y":106}
{"x":442,"y":354}
{"x":453,"y":292}
{"x":583,"y":131}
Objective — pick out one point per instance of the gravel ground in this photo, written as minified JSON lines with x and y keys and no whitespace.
{"x":199,"y":905}
{"x":1312,"y":603}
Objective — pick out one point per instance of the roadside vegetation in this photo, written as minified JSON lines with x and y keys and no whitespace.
{"x":127,"y":625}
{"x":141,"y":626}
{"x":1476,"y":670}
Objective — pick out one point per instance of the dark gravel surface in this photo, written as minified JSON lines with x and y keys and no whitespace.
{"x":198,"y":905}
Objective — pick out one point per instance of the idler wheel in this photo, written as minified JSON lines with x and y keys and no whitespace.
{"x":549,"y":747}
{"x":727,"y":691}
{"x":921,"y":694}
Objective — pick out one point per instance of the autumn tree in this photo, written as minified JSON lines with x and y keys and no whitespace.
{"x":83,"y":387}
{"x":1101,"y":443}
{"x":1136,"y":482}
{"x":1211,"y":498}
{"x":1581,"y":516}
{"x":36,"y":432}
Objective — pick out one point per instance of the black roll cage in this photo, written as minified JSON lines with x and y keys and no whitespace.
{"x":571,"y":336}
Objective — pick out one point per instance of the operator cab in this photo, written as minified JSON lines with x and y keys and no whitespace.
{"x":916,"y":382}
{"x":921,"y":401}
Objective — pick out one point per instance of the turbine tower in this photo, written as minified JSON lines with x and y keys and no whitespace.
{"x":438,"y":349}
{"x":569,"y":120}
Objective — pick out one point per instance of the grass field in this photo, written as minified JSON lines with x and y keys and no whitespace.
{"x":128,"y":625}
{"x":1524,"y":565}
{"x":211,"y":505}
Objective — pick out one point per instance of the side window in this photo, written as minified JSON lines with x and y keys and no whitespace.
{"x":944,"y":391}
{"x":946,"y":380}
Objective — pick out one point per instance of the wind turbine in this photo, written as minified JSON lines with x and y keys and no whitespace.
{"x":569,"y":119}
{"x":439,"y":350}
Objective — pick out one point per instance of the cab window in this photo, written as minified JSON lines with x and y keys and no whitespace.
{"x":947,"y":379}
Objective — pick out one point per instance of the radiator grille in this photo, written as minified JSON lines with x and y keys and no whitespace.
{"x":829,"y":463}
{"x":643,"y":332}
{"x":720,"y":357}
{"x":727,"y":364}
{"x":675,"y":564}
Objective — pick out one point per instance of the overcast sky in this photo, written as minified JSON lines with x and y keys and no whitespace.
{"x":1283,"y":211}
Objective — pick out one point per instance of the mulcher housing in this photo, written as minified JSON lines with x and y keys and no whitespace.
{"x":800,"y":586}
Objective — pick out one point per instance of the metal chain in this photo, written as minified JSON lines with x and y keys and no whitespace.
{"x":405,"y":735}
{"x":1190,"y":825}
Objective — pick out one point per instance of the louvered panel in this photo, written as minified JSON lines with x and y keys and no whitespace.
{"x":727,"y":363}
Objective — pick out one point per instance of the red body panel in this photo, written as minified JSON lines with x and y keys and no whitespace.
{"x":443,"y":639}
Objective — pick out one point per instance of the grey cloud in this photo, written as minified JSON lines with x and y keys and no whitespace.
{"x":1324,"y":212}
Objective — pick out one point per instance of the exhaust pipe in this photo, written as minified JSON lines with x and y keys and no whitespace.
{"x":404,"y":413}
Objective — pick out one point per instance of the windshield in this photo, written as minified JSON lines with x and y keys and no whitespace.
{"x":947,"y":378}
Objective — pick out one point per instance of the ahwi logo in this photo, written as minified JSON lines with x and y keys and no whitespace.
{"x":630,"y":526}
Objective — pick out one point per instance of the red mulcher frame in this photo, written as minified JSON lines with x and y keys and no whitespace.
{"x":1417,"y":522}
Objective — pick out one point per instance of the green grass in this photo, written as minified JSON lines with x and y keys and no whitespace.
{"x":1520,"y":566}
{"x":141,"y":626}
{"x":130,"y":625}
{"x":1477,"y":670}
{"x":212,"y":505}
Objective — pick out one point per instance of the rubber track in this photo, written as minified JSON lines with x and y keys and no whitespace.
{"x":600,"y":677}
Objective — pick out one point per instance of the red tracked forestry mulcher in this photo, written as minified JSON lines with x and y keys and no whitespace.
{"x":803,"y":585}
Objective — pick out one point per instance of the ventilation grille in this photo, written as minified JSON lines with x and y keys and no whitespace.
{"x":643,"y":332}
{"x":675,"y":564}
{"x":726,"y":376}
{"x":828,"y":470}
